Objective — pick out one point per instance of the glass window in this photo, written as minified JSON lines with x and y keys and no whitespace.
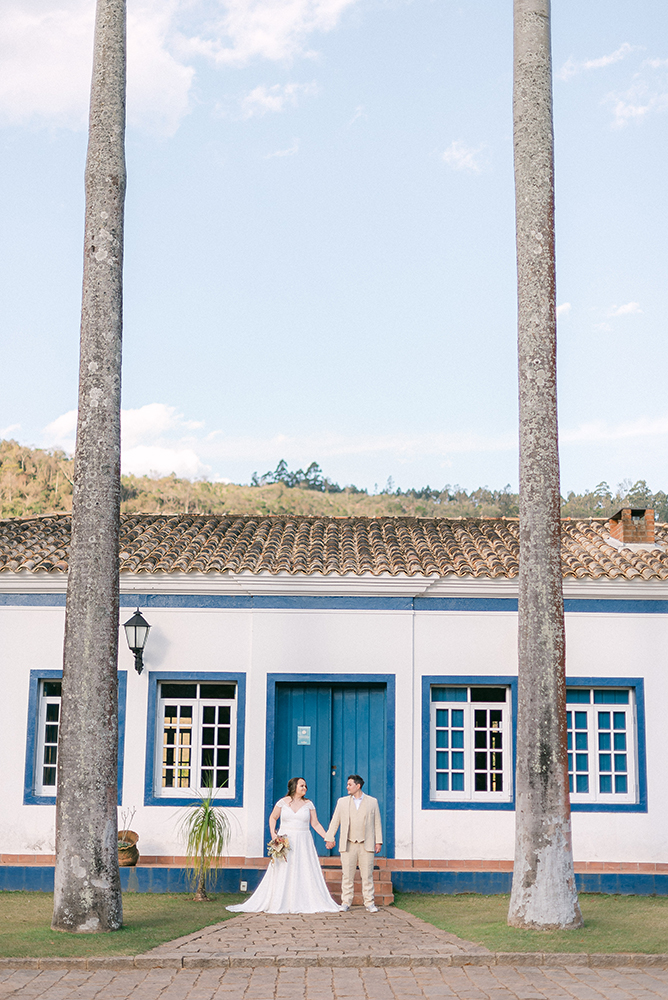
{"x":196,"y":742}
{"x":470,"y":745}
{"x":601,"y":745}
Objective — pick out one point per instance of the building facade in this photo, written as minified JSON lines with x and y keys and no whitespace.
{"x":284,"y":646}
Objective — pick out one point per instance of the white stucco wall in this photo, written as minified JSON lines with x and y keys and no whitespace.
{"x":402,"y":643}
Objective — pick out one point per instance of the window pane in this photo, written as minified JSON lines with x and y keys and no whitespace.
{"x":442,"y":716}
{"x":53,"y":712}
{"x":221,"y":692}
{"x":620,"y":741}
{"x":605,"y":762}
{"x":457,"y":718}
{"x":52,"y":689}
{"x":581,"y":762}
{"x":611,"y":696}
{"x":604,"y":741}
{"x":480,"y":781}
{"x":605,"y":783}
{"x":449,"y":694}
{"x":580,"y":720}
{"x":481,"y":739}
{"x":209,"y":715}
{"x":457,"y":738}
{"x":442,"y":739}
{"x":620,"y":762}
{"x":442,"y":760}
{"x":581,"y":741}
{"x":620,"y":784}
{"x":578,"y":696}
{"x":619,"y":720}
{"x":442,"y":781}
{"x":457,"y":782}
{"x":177,"y":691}
{"x":604,"y":720}
{"x":582,"y":783}
{"x":488,"y":694}
{"x":457,"y":762}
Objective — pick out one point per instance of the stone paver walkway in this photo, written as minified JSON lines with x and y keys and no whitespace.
{"x":320,"y":983}
{"x":357,"y":938}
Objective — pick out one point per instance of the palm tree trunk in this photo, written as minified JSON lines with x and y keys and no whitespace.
{"x":543,"y":893}
{"x":87,"y":881}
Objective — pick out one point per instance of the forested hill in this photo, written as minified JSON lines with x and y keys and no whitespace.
{"x":36,"y":481}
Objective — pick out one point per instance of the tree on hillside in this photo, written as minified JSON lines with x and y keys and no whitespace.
{"x":543,"y":893}
{"x":87,"y":882}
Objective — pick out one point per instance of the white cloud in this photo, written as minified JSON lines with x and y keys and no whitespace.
{"x":359,"y":113}
{"x":6,"y":432}
{"x":46,"y":52}
{"x":642,"y":99}
{"x":628,"y":309}
{"x":61,"y":432}
{"x":643,"y":427}
{"x":276,"y":98}
{"x":162,"y":461}
{"x":563,"y":309}
{"x":158,"y":84}
{"x":154,"y":438}
{"x":459,"y":156}
{"x":270,"y":29}
{"x":291,"y":151}
{"x":573,"y":67}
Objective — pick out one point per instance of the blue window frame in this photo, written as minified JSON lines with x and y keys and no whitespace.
{"x":468,"y":742}
{"x":195,"y":737}
{"x":39,"y":785}
{"x":606,"y":743}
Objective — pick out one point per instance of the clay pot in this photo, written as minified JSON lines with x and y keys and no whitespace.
{"x":128,"y":855}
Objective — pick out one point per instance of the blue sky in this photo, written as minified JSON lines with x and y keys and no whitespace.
{"x":320,"y":236}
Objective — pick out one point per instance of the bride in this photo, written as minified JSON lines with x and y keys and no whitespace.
{"x":297,"y":884}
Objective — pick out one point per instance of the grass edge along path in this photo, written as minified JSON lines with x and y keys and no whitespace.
{"x":149,"y":919}
{"x":613,"y":924}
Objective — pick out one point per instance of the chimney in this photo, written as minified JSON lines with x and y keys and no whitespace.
{"x":633,"y":525}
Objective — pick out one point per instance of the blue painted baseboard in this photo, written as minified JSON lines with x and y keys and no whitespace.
{"x":37,"y":878}
{"x":492,"y":883}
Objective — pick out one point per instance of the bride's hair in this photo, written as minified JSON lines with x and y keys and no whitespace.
{"x":292,"y":786}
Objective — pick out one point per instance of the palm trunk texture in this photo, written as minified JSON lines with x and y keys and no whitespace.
{"x":543,"y":893}
{"x":87,"y":881}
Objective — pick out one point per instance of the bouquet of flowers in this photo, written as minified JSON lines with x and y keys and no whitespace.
{"x":278,"y":848}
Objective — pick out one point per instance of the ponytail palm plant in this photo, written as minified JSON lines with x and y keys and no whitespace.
{"x":206,"y":831}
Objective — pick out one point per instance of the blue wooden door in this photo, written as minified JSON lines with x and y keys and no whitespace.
{"x":324,"y":732}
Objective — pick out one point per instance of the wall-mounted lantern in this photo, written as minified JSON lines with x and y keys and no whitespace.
{"x":136,"y":632}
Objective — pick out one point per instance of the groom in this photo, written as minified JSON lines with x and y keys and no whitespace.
{"x":361,"y":836}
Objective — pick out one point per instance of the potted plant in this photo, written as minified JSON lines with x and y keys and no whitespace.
{"x":128,"y":854}
{"x":206,"y":831}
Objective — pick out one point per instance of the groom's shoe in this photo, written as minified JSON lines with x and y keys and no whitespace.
{"x":373,"y":908}
{"x":345,"y":908}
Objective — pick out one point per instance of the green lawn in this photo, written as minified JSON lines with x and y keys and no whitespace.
{"x":612,"y":923}
{"x":149,"y":920}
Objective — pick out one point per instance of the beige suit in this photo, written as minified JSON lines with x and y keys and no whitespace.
{"x":360,"y":832}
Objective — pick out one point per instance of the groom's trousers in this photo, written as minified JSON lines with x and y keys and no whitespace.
{"x":357,"y":857}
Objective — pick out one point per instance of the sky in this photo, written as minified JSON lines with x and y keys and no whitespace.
{"x":320,"y":256}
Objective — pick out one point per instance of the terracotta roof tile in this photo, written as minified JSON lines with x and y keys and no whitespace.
{"x":198,"y":543}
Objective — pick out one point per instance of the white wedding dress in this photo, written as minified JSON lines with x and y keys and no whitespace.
{"x":298,"y":884}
